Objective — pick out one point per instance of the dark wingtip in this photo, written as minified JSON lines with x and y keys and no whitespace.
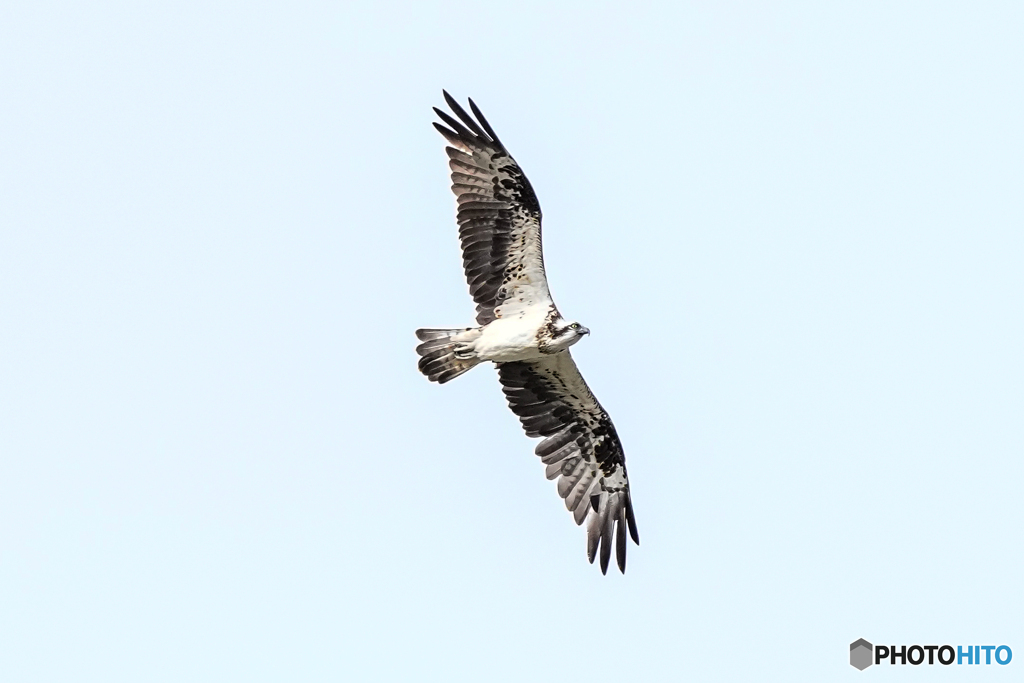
{"x":607,"y":531}
{"x":620,"y":544}
{"x":450,"y":136}
{"x":593,"y":538}
{"x":449,"y":99}
{"x":483,"y":122}
{"x":463,"y":132}
{"x":606,"y":553}
{"x":465,"y":118}
{"x":631,"y":522}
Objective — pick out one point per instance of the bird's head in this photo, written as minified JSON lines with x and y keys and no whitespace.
{"x":568,"y":333}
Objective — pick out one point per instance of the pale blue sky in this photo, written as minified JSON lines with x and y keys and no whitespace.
{"x":796,"y":233}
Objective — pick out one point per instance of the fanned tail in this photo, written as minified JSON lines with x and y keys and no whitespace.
{"x":446,"y":354}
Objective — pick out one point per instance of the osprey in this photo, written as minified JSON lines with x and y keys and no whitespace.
{"x":521,"y":331}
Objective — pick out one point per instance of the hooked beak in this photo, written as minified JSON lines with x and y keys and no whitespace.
{"x":583,"y":330}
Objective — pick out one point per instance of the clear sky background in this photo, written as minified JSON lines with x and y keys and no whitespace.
{"x":796,"y":233}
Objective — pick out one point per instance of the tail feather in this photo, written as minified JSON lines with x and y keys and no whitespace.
{"x":426,"y":334}
{"x":437,"y":353}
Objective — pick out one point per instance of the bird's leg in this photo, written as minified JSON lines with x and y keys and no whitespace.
{"x":464,"y":352}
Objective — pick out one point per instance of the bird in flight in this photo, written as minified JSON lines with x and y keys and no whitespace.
{"x":521,"y":331}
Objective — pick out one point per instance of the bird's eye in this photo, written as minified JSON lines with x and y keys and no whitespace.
{"x":574,"y":326}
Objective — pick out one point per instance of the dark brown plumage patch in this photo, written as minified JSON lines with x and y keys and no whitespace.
{"x":548,"y":332}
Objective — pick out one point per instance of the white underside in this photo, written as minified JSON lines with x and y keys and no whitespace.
{"x":510,"y":339}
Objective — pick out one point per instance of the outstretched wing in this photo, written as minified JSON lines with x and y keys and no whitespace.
{"x":581,"y":448}
{"x":499,"y":218}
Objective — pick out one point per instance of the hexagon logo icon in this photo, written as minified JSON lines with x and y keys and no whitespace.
{"x":861,"y":652}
